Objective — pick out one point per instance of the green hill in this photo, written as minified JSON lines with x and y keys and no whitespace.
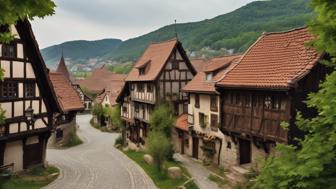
{"x":79,"y":51}
{"x":236,"y":30}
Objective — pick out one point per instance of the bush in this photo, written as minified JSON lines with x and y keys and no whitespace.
{"x":119,"y":141}
{"x":158,"y":146}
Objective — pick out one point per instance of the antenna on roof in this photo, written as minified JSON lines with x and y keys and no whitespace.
{"x":175,"y":30}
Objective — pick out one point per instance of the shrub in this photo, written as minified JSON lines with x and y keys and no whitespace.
{"x":158,"y":146}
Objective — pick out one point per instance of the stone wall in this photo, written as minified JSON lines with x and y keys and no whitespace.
{"x":67,"y":129}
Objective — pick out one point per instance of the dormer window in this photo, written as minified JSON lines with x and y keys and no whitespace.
{"x":209,"y":76}
{"x":142,"y":71}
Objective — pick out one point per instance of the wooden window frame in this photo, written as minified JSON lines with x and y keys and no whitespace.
{"x":142,"y":71}
{"x":201,"y":120}
{"x":149,"y":87}
{"x":5,"y":50}
{"x":136,"y":108}
{"x":175,"y":65}
{"x":140,"y":87}
{"x":214,"y":121}
{"x":213,"y":103}
{"x":197,"y":101}
{"x":30,"y":90}
{"x":9,"y":90}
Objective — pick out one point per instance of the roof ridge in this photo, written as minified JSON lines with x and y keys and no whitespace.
{"x":165,"y":41}
{"x":285,"y":31}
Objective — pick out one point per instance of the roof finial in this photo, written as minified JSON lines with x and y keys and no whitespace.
{"x":175,"y":30}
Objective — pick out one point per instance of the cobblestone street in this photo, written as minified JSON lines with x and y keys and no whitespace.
{"x":96,"y":164}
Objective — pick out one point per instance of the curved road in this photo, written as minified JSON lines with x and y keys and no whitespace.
{"x":96,"y":164}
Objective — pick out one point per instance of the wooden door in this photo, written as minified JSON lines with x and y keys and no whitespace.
{"x":244,"y":151}
{"x":182,"y":143}
{"x":195,"y":147}
{"x":32,"y":154}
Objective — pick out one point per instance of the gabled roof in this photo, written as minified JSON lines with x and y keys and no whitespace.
{"x":154,"y":59}
{"x":112,"y":91}
{"x":100,"y":79}
{"x":34,"y":55}
{"x":275,"y":61}
{"x":62,"y":68}
{"x":218,"y":66}
{"x":67,"y":97}
{"x":198,"y":63}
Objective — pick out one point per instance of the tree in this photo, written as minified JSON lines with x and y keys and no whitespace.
{"x":162,"y":119}
{"x":311,"y":164}
{"x":158,"y":146}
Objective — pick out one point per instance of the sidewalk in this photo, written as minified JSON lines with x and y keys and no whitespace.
{"x":198,"y":172}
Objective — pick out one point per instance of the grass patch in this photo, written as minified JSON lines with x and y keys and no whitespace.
{"x":161,"y":180}
{"x":34,"y":179}
{"x":220,"y":182}
{"x":73,"y":141}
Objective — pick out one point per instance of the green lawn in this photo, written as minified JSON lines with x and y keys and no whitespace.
{"x":160,"y":179}
{"x":35,"y":179}
{"x":74,"y":141}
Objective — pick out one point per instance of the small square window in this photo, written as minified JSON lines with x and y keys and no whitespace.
{"x":30,"y":89}
{"x":8,"y":50}
{"x":175,"y":65}
{"x":8,"y":90}
{"x":209,"y":76}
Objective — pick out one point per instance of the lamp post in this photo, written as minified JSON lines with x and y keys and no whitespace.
{"x":29,"y":113}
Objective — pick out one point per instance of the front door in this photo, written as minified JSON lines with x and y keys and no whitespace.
{"x":195,"y":147}
{"x":244,"y":151}
{"x":32,"y":154}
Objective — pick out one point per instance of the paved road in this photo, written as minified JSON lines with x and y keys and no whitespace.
{"x":96,"y":164}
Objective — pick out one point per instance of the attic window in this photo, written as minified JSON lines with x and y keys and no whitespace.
{"x":209,"y":76}
{"x":175,"y":65}
{"x":142,"y":71}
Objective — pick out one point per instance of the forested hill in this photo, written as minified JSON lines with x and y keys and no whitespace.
{"x":236,"y":30}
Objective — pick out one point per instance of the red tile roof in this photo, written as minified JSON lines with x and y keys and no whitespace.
{"x":154,"y":58}
{"x":112,"y":91}
{"x":182,"y":122}
{"x":198,"y":63}
{"x":62,"y":68}
{"x":219,"y":66}
{"x":67,"y":98}
{"x":275,"y":61}
{"x":100,"y":79}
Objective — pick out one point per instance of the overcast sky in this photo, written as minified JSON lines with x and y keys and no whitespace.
{"x":122,"y":19}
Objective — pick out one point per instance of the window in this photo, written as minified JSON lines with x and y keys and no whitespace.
{"x":209,"y":76}
{"x":197,"y":101}
{"x":140,"y":87}
{"x":201,"y":117}
{"x":268,"y":102}
{"x":124,"y":109}
{"x":132,"y":87}
{"x":8,"y":50}
{"x":30,"y":89}
{"x":149,"y":88}
{"x":142,"y":71}
{"x":136,"y":107}
{"x":214,"y":121}
{"x":8,"y":90}
{"x":248,"y":101}
{"x":213,"y":103}
{"x":273,"y":102}
{"x":2,"y":131}
{"x":238,"y":100}
{"x":175,"y":65}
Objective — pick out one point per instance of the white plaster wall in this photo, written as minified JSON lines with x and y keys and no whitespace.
{"x":40,"y":124}
{"x":32,"y":140}
{"x":14,"y":154}
{"x":23,"y":126}
{"x":18,"y":69}
{"x":7,"y":107}
{"x":20,"y":51}
{"x":18,"y":107}
{"x":29,"y":71}
{"x":14,"y":32}
{"x":5,"y":65}
{"x":20,"y":95}
{"x":13,"y":128}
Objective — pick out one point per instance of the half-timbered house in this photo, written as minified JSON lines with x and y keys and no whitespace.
{"x":198,"y":129}
{"x":70,"y":103}
{"x":158,"y":76}
{"x":268,"y":87}
{"x":28,"y":99}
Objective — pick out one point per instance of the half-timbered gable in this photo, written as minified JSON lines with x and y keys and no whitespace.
{"x":27,"y":98}
{"x":266,"y":88}
{"x":158,"y":76}
{"x":203,"y":115}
